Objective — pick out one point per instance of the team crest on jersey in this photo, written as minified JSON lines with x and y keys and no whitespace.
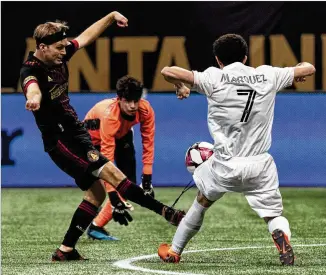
{"x":93,"y":155}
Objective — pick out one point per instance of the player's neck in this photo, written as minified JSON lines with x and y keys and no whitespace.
{"x":40,"y":57}
{"x":127,"y":117}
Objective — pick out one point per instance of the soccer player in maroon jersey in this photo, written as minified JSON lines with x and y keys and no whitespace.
{"x":44,"y":79}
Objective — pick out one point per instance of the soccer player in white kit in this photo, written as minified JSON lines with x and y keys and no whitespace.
{"x":240,"y":116}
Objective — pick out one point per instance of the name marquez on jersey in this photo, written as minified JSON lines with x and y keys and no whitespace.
{"x":259,"y":78}
{"x":57,"y":90}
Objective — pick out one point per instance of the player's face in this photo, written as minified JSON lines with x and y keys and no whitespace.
{"x":129,"y":107}
{"x":54,"y":53}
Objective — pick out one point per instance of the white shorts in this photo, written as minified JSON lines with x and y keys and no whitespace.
{"x":256,"y":177}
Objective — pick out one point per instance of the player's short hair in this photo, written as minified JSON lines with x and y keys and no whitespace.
{"x":49,"y":28}
{"x":129,"y":88}
{"x":230,"y":48}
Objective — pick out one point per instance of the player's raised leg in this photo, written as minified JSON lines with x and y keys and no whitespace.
{"x":130,"y":191}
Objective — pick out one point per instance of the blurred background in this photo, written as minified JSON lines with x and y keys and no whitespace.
{"x":164,"y":34}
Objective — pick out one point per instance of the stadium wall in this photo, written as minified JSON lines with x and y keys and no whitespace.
{"x":278,"y":33}
{"x":299,"y":140}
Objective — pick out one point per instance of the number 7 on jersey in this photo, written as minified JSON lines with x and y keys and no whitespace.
{"x":251,"y":97}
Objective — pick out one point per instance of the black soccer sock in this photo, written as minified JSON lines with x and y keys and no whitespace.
{"x":83,"y":216}
{"x":134,"y":193}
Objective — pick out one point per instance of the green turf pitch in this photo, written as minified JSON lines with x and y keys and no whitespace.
{"x":34,"y":222}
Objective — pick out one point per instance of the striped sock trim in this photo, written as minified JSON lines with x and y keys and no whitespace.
{"x":88,"y":207}
{"x":123,"y":186}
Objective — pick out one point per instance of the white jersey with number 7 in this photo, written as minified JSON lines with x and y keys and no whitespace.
{"x":241,"y":103}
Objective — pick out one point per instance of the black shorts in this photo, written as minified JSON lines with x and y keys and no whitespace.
{"x":78,"y":158}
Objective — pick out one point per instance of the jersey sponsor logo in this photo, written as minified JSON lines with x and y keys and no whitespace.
{"x":29,"y":78}
{"x":93,"y":155}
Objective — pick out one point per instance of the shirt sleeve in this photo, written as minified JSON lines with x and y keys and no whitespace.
{"x":283,"y":77}
{"x":71,"y":49}
{"x":28,"y":75}
{"x":147,"y":129}
{"x":108,"y":128}
{"x":204,"y":81}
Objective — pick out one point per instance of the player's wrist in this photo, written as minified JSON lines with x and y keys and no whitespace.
{"x":112,"y":16}
{"x":147,"y":178}
{"x":148,"y":169}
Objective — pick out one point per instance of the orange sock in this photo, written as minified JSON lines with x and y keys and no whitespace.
{"x":105,"y":215}
{"x":108,"y":187}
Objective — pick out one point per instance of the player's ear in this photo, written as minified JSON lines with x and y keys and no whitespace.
{"x":42,"y":47}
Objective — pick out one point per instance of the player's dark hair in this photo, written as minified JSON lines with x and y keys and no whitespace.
{"x":230,"y":48}
{"x":129,"y":88}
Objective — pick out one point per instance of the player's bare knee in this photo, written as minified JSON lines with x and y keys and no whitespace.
{"x":95,"y":194}
{"x":110,"y":173}
{"x":202,"y":200}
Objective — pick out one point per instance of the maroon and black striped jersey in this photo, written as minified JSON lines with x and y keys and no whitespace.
{"x":56,"y":117}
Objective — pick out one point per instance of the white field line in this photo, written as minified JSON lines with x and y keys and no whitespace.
{"x":127,"y":263}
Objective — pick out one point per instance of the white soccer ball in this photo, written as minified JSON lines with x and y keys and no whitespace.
{"x":197,"y":154}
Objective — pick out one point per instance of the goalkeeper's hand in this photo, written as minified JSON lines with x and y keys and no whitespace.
{"x":146,"y":185}
{"x":120,"y":209}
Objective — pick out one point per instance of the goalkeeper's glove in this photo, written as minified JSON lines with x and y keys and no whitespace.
{"x":119,"y":209}
{"x":146,"y":185}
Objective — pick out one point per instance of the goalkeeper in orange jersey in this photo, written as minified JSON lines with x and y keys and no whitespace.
{"x":110,"y":123}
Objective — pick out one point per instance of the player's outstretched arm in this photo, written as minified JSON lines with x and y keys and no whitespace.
{"x":302,"y":70}
{"x":95,"y":30}
{"x":178,"y":76}
{"x":34,"y":97}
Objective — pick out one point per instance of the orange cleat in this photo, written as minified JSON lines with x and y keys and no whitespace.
{"x":283,"y":246}
{"x":167,"y":255}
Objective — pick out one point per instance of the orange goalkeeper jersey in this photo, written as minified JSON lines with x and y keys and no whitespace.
{"x":114,"y":126}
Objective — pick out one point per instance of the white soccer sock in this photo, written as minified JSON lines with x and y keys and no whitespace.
{"x":188,"y":227}
{"x":280,"y":223}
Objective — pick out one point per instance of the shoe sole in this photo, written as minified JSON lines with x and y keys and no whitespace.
{"x":103,"y":239}
{"x":284,"y":247}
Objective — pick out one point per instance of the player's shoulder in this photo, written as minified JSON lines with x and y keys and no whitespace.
{"x":213,"y":70}
{"x":264,"y":68}
{"x":31,"y":66}
{"x":104,"y":107}
{"x":32,"y":62}
{"x":106,"y":102}
{"x":143,"y":103}
{"x":145,"y":107}
{"x":267,"y":70}
{"x":213,"y":74}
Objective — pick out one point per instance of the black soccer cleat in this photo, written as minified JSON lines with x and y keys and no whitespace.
{"x":172,"y":215}
{"x":283,"y":246}
{"x":60,"y":256}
